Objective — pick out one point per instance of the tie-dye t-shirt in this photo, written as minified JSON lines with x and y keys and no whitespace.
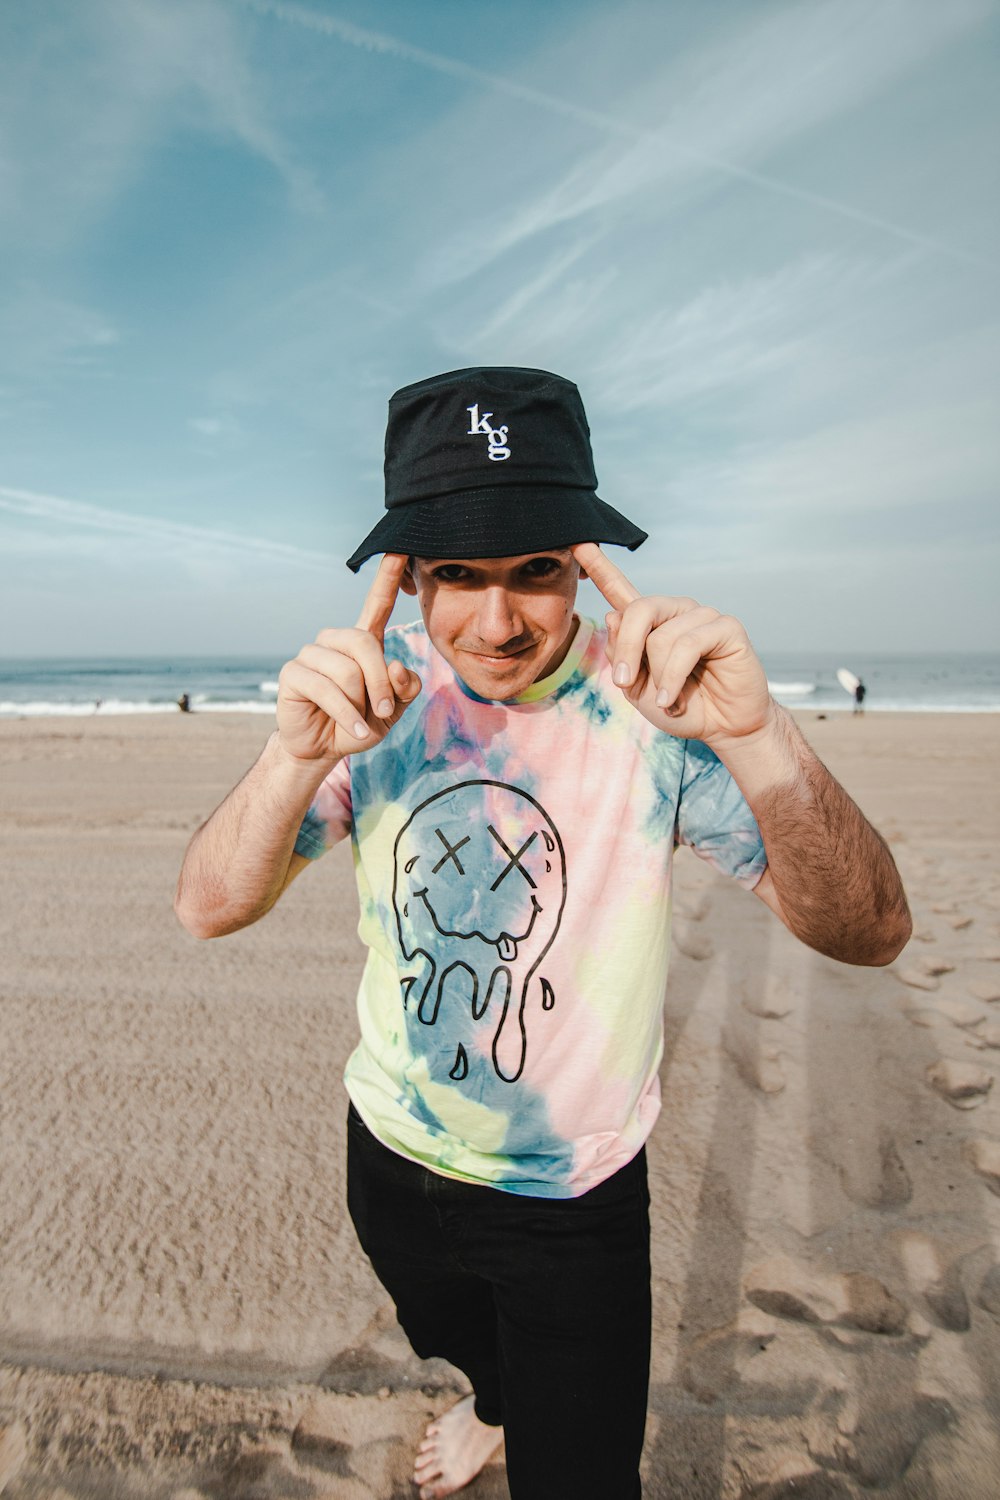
{"x":513,"y":862}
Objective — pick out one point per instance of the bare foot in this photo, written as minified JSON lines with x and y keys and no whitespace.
{"x":454,"y":1449}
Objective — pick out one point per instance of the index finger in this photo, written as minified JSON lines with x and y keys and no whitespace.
{"x":381,"y":596}
{"x":609,"y":578}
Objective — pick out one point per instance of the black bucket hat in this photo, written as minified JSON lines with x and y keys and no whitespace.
{"x":490,"y":462}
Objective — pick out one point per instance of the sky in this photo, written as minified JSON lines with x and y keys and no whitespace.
{"x":762,"y":238}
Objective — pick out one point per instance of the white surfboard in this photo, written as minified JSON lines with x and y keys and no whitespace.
{"x":847,"y":680}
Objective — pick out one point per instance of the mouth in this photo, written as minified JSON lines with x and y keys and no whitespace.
{"x":505,"y":944}
{"x":499,"y":660}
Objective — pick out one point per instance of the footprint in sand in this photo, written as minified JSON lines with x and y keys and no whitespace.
{"x":717,"y":1361}
{"x":266,"y":1467}
{"x":760,"y":1067}
{"x":962,"y":1084}
{"x":929,"y":1275}
{"x":771,"y":1071}
{"x":878,"y":1180}
{"x":767,"y":1007}
{"x":989,"y":955}
{"x":959,"y":1012}
{"x":877,"y":1434}
{"x":786,"y":1289}
{"x":930,"y":963}
{"x":921,"y":1016}
{"x":960,"y":921}
{"x":987,"y":1035}
{"x":794,"y":1476}
{"x":917,"y":979}
{"x":691,"y":943}
{"x":988,"y":991}
{"x":984,"y":1157}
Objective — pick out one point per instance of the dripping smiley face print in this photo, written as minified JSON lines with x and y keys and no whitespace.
{"x":479,"y":888}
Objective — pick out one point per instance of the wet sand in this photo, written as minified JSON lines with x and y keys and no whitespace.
{"x":183,"y":1309}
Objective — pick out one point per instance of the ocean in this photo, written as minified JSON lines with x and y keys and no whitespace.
{"x":49,"y":687}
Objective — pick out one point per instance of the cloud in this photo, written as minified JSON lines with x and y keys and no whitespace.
{"x":729,"y":104}
{"x":736,"y":331}
{"x":100,"y":86}
{"x":901,"y":461}
{"x":380,"y":42}
{"x":187,"y":540}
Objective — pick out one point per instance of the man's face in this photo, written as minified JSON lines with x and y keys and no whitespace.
{"x":501,"y":622}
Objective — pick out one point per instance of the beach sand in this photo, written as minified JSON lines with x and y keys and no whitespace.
{"x":184,"y":1311}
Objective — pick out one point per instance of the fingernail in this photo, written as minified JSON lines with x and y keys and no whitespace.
{"x":663,"y":699}
{"x":621,"y":675}
{"x":385,"y":708}
{"x":360,"y":730}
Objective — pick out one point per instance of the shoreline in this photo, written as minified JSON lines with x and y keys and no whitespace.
{"x":264,"y":711}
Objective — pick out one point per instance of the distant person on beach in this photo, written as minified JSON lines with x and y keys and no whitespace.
{"x":859,"y":698}
{"x":184,"y":703}
{"x":515,"y":779}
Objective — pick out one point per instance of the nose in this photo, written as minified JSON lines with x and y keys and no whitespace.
{"x":498,"y":619}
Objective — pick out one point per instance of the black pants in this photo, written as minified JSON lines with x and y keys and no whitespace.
{"x":544,"y":1303}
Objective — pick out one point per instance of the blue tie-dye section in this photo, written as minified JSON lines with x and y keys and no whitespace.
{"x":384,"y":773}
{"x":544,"y":1160}
{"x":665,"y":759}
{"x":584,"y":695}
{"x":311,"y":841}
{"x":388,"y":773}
{"x":714,"y":819}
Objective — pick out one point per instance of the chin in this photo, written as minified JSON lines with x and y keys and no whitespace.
{"x":486,"y":685}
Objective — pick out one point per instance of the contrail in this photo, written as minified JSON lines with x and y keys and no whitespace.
{"x":379,"y":41}
{"x":79,"y":513}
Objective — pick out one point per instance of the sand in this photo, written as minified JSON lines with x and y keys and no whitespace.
{"x":184,"y":1312}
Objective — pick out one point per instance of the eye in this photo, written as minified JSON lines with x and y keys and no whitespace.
{"x":541,"y":567}
{"x":450,"y":573}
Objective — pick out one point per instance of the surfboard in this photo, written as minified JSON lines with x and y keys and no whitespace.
{"x":847,"y":680}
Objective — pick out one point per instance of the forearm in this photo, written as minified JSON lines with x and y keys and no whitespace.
{"x":238,"y":861}
{"x":836,"y":881}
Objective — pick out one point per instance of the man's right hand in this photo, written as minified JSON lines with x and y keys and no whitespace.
{"x":339,"y":696}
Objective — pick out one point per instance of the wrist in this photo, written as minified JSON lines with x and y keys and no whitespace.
{"x":307,"y":769}
{"x":765,"y":758}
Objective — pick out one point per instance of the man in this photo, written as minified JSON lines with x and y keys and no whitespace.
{"x":514,"y":781}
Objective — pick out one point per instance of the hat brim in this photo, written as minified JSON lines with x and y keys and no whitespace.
{"x":505,"y":522}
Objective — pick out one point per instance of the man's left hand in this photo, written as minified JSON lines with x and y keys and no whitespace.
{"x":688,"y":669}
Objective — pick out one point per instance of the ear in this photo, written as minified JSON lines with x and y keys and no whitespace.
{"x":408,"y":582}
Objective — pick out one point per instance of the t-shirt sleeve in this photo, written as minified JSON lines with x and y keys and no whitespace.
{"x":328,"y":818}
{"x":714,"y":819}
